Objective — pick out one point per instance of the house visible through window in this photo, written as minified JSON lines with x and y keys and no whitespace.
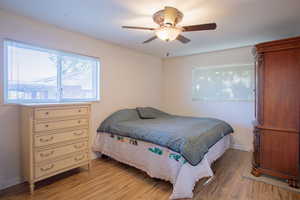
{"x":223,"y":83}
{"x":37,"y":75}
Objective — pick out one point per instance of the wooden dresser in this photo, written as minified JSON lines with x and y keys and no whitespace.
{"x":55,"y":138}
{"x":277,"y":126}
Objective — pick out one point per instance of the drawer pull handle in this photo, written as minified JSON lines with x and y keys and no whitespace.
{"x":79,"y":158}
{"x":79,"y":121}
{"x":78,"y":133}
{"x":46,"y":154}
{"x":79,"y":110}
{"x":47,"y":168}
{"x":77,"y":146}
{"x":46,"y":125}
{"x":47,"y":113}
{"x":46,"y":140}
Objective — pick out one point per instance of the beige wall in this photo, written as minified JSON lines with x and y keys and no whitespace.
{"x":128,"y":79}
{"x":177,"y":92}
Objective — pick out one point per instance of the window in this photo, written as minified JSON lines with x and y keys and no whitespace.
{"x":223,"y":83}
{"x":37,"y":75}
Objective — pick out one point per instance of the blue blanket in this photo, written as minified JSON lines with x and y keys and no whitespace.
{"x":189,"y":136}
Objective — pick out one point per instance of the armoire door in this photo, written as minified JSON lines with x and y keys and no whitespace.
{"x":281,"y":90}
{"x":279,"y":152}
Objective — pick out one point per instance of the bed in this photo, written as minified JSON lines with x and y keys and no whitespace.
{"x":170,"y":147}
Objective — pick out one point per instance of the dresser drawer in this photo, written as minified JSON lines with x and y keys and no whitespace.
{"x":42,"y":155}
{"x":52,"y":167}
{"x":52,"y":125}
{"x":42,"y":140}
{"x":60,"y":112}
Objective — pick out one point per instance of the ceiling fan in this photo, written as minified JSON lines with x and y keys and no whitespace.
{"x":167,"y":19}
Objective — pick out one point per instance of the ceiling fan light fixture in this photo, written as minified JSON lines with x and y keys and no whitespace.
{"x":168,"y":29}
{"x":167,"y":34}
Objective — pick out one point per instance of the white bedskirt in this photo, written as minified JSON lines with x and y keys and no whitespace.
{"x":161,"y":162}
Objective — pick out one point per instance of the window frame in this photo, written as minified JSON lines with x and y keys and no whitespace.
{"x":60,"y":54}
{"x":224,"y":66}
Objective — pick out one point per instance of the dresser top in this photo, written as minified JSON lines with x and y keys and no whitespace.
{"x":55,"y":104}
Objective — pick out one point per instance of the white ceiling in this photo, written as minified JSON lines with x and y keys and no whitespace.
{"x":240,"y":22}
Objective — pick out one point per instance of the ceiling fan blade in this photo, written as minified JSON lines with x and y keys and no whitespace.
{"x":150,"y":39}
{"x":200,"y":27}
{"x":183,"y":39}
{"x":137,"y":27}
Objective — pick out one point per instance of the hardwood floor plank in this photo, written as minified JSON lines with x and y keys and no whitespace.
{"x":112,"y":180}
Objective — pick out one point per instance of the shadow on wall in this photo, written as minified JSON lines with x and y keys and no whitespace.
{"x":10,"y":145}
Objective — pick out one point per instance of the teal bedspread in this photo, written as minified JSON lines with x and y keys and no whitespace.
{"x":190,"y":136}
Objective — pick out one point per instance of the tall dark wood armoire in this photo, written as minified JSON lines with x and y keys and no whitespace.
{"x":277,"y":105}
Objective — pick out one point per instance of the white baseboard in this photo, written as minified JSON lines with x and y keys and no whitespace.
{"x":5,"y":183}
{"x":241,"y":147}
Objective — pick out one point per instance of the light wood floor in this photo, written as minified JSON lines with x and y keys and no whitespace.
{"x":111,"y":180}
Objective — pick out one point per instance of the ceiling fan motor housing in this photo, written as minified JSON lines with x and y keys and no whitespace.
{"x":169,"y":16}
